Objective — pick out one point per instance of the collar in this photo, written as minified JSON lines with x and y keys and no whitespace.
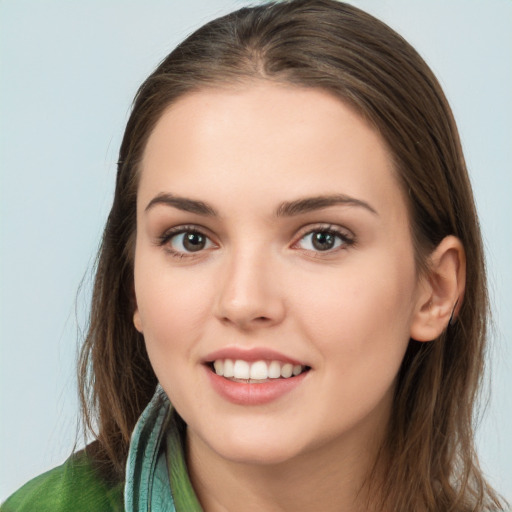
{"x":156,"y":472}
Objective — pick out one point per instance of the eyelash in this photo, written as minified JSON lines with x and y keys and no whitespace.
{"x":344,"y":240}
{"x":180,"y":230}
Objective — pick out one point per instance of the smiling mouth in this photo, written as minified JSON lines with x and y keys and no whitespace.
{"x":255,"y":372}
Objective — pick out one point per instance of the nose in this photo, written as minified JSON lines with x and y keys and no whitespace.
{"x":249,"y":296}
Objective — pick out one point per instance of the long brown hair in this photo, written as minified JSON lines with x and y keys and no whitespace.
{"x":431,"y":462}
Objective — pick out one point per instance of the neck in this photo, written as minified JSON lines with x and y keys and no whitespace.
{"x":333,"y":477}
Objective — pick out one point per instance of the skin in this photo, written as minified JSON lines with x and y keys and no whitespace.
{"x":347,"y":312}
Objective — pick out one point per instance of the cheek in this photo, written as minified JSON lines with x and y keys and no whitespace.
{"x":172,"y":308}
{"x":359,"y":326}
{"x":359,"y":309}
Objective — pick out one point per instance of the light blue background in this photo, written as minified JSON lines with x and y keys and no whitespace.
{"x":69,"y":70}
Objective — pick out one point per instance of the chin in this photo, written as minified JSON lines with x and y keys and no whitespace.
{"x":257,"y":455}
{"x":254,"y":447}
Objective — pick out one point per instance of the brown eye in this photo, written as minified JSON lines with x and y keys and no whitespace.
{"x":324,"y":240}
{"x":194,"y":242}
{"x":189,"y":241}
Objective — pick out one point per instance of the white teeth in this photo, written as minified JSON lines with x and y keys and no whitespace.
{"x":258,"y":370}
{"x":228,"y":368}
{"x":274,"y":370}
{"x":219,"y":367}
{"x":241,"y":369}
{"x":287,"y":370}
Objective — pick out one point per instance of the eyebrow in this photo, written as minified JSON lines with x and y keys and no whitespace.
{"x":285,"y":209}
{"x":308,"y":204}
{"x":182,"y":203}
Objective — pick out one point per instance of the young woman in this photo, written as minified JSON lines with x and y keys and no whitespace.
{"x":293,"y":261}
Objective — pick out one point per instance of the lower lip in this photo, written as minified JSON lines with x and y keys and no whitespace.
{"x":242,"y":393}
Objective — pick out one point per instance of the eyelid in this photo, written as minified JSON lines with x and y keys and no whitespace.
{"x":164,"y":239}
{"x":344,"y":234}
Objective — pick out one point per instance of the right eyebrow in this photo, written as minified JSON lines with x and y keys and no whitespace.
{"x":182,"y":203}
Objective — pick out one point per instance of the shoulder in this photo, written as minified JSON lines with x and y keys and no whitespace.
{"x":75,"y":486}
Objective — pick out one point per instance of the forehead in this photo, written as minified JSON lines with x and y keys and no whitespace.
{"x":285,"y":141}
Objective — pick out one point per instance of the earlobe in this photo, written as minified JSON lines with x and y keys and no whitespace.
{"x":136,"y":321}
{"x":136,"y":315}
{"x":440,"y":291}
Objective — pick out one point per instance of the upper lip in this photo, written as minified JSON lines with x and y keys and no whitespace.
{"x":250,"y":355}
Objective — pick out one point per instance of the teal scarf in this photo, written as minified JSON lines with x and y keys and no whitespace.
{"x":156,"y":472}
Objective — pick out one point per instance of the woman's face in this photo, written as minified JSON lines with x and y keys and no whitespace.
{"x":273,"y":238}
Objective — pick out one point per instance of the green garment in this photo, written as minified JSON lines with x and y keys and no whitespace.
{"x":156,"y":474}
{"x":74,"y":486}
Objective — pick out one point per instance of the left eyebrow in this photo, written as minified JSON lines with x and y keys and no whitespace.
{"x":308,"y":204}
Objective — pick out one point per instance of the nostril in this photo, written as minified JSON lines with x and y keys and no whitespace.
{"x":246,"y":322}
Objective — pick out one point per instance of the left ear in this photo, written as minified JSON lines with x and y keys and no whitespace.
{"x":440,"y":291}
